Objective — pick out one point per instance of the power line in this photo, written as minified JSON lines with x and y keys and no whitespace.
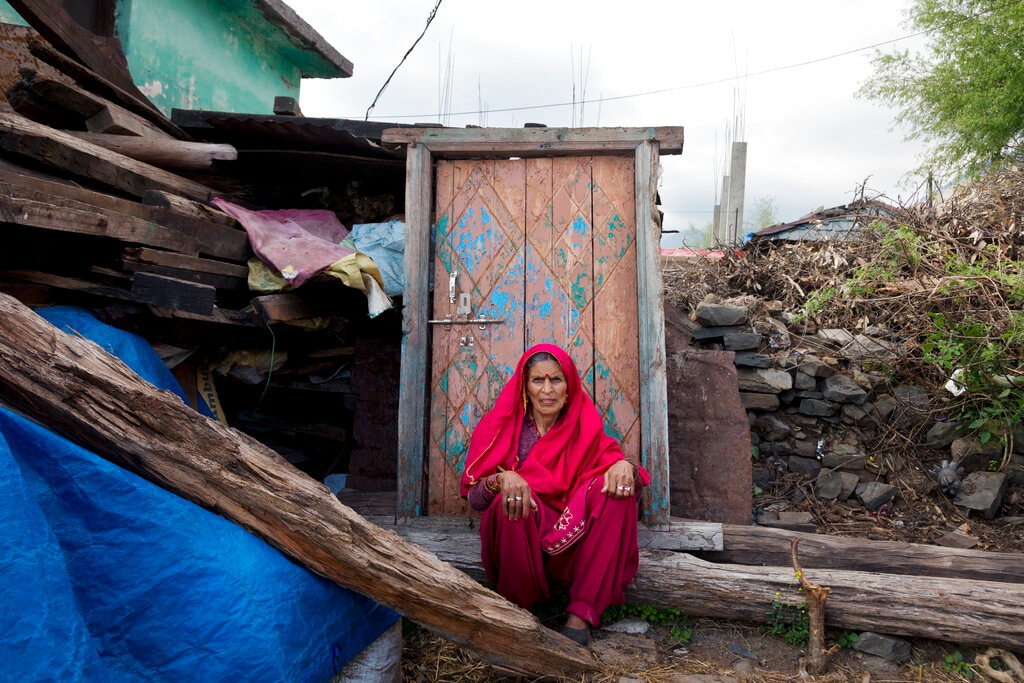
{"x":408,"y":52}
{"x":693,"y":86}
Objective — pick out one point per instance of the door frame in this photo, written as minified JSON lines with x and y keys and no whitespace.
{"x":423,"y":144}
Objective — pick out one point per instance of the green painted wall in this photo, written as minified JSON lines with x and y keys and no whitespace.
{"x":204,"y":54}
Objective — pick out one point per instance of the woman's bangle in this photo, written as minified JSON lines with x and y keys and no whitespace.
{"x":491,"y":484}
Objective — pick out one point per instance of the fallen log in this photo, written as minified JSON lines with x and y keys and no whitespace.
{"x":966,"y":611}
{"x":73,"y":387}
{"x":962,"y":611}
{"x":758,"y":545}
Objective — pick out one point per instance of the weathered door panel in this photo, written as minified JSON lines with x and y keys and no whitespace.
{"x":546,"y":246}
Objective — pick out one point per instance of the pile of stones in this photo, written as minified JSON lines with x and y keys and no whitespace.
{"x":812,"y":407}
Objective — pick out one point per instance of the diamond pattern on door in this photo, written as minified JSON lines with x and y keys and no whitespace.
{"x":546,"y":246}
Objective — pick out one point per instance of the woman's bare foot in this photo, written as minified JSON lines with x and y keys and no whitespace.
{"x":575,"y":622}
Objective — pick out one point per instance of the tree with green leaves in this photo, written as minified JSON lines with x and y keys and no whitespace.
{"x":963,"y":93}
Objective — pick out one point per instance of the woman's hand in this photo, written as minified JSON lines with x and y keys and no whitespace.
{"x":618,"y":480}
{"x":516,"y":498}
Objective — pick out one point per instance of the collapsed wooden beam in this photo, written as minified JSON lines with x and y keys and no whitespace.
{"x":73,"y":387}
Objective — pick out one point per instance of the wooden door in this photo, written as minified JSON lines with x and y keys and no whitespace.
{"x":529,"y":251}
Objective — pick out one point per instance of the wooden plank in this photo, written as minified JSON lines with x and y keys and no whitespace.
{"x":92,"y":81}
{"x":68,"y":283}
{"x":536,"y":141}
{"x":415,"y":334}
{"x":211,"y":239}
{"x":757,"y":545}
{"x":164,"y":152}
{"x":443,"y":338}
{"x":66,"y":153}
{"x":654,"y":397}
{"x":226,"y":282}
{"x":183,"y":262}
{"x":188,"y":207}
{"x":69,"y":216}
{"x":87,"y":106}
{"x":617,"y":385}
{"x":175,"y":294}
{"x":75,"y":388}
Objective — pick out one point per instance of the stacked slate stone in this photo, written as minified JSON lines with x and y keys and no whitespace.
{"x":813,"y":406}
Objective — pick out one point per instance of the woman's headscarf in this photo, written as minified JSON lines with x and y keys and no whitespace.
{"x":572,"y":451}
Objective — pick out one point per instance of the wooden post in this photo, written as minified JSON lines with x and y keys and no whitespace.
{"x":414,"y":382}
{"x":654,"y":395}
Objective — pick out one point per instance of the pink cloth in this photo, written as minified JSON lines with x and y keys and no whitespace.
{"x":572,"y":452}
{"x":297,"y":243}
{"x":595,"y":570}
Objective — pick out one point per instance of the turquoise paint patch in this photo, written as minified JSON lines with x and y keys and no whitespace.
{"x":580,"y":292}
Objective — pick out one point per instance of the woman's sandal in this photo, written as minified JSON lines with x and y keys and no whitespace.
{"x":580,"y":635}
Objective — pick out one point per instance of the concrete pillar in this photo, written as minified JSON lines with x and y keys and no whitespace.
{"x":722,"y":233}
{"x":737,"y":188}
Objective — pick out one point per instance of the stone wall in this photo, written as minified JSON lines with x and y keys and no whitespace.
{"x":814,"y":411}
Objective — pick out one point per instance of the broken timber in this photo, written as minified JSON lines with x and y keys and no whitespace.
{"x":72,"y":386}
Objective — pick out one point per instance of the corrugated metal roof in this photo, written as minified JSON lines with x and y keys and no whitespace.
{"x":835,"y":223}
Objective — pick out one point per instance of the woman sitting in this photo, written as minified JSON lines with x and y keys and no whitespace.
{"x":558,"y":497}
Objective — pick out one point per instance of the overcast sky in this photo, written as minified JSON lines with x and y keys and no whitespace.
{"x":779,"y":75}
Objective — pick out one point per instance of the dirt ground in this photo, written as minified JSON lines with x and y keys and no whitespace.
{"x":717,"y":652}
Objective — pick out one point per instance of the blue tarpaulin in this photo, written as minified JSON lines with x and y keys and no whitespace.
{"x":107,"y":577}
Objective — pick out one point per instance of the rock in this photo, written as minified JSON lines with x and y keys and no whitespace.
{"x":844,"y":456}
{"x":746,"y":359}
{"x":875,"y":494}
{"x":766,"y":381}
{"x":982,"y":492}
{"x":715,"y":315}
{"x":805,"y":448}
{"x":794,"y":521}
{"x":884,"y":407}
{"x":957,"y":539}
{"x":742,"y":341}
{"x":853,"y":414}
{"x":816,"y":407}
{"x":742,"y":651}
{"x":815,"y":367}
{"x":828,"y":485}
{"x":808,"y":466}
{"x":803,"y":381}
{"x":862,"y":347}
{"x":772,"y":428}
{"x":974,"y":454}
{"x":706,"y":333}
{"x":633,"y":625}
{"x":835,"y":336}
{"x":1015,"y":469}
{"x":887,"y":647}
{"x":756,"y":401}
{"x":842,"y":389}
{"x":942,"y":434}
